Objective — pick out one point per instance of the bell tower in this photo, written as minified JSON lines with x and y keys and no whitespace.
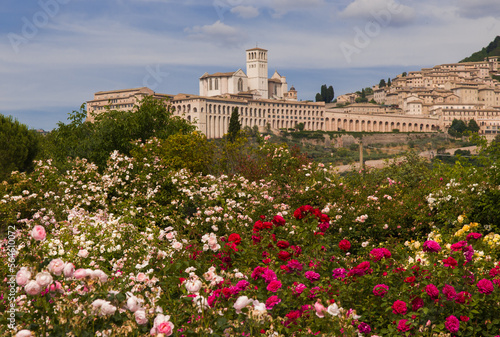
{"x":257,"y":71}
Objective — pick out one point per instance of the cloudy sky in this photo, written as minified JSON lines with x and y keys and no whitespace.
{"x":54,"y":54}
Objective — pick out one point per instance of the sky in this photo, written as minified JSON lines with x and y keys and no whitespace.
{"x":55,"y":54}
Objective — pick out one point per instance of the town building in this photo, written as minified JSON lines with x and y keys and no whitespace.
{"x":422,"y":101}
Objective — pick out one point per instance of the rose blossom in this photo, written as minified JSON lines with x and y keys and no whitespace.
{"x":273,"y":286}
{"x":432,"y":291}
{"x":56,"y":266}
{"x":417,"y":303}
{"x":99,"y":274}
{"x":452,"y":324}
{"x":299,"y":289}
{"x":320,"y":309}
{"x":311,"y":275}
{"x":485,"y":286}
{"x":38,"y":233}
{"x":450,"y":292}
{"x":333,"y":309}
{"x":241,"y":302}
{"x":380,"y":290}
{"x":403,"y":325}
{"x":68,"y":270}
{"x":272,"y":301}
{"x":24,"y":333}
{"x":141,"y":277}
{"x":32,"y":288}
{"x":431,"y":246}
{"x":107,"y":309}
{"x":339,"y":273}
{"x":193,"y":286}
{"x":140,"y":317}
{"x":399,"y":307}
{"x":43,"y":279}
{"x":450,"y":262}
{"x":133,"y":303}
{"x":474,"y":236}
{"x":364,"y":328}
{"x":345,"y":245}
{"x":80,"y":273}
{"x":83,"y":253}
{"x":23,"y":276}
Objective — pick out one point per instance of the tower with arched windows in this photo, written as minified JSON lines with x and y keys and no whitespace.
{"x":257,"y":71}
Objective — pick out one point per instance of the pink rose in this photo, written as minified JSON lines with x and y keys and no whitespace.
{"x":299,"y":289}
{"x":485,"y":286}
{"x":44,"y":279}
{"x":38,"y":233}
{"x":380,"y":290}
{"x":56,"y":266}
{"x":133,"y":304}
{"x":141,"y":277}
{"x":399,"y":307}
{"x":272,"y":301}
{"x":83,"y":253}
{"x":320,"y":309}
{"x":99,"y":274}
{"x":23,"y":276}
{"x":68,"y":270}
{"x":140,"y":317}
{"x":274,"y":285}
{"x":32,"y":288}
{"x":165,"y":328}
{"x":80,"y":273}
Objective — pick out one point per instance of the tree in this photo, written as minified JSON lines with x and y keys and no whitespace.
{"x":473,"y":126}
{"x":404,"y":74}
{"x":457,"y":128}
{"x":300,"y":126}
{"x":389,"y":82}
{"x":234,"y":125}
{"x":326,"y":95}
{"x":18,"y":147}
{"x":381,"y":84}
{"x":114,"y":130}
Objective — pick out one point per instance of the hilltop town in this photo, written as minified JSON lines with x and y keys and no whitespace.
{"x":419,"y":101}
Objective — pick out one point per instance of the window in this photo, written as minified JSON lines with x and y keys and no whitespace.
{"x":240,"y":85}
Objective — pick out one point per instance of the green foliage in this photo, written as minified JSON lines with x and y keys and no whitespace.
{"x":326,"y":95}
{"x":382,"y":83}
{"x":113,"y":130}
{"x":389,"y":82}
{"x":300,"y":126}
{"x":234,"y":125}
{"x":493,"y":49}
{"x":404,"y":74}
{"x":473,"y":126}
{"x":18,"y":147}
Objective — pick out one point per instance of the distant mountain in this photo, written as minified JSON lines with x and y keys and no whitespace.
{"x":493,"y":49}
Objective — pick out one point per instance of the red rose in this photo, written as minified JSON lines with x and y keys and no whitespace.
{"x":278,"y":221}
{"x":450,"y":262}
{"x":283,"y":244}
{"x":284,"y":255}
{"x":234,"y":238}
{"x":464,"y":318}
{"x":345,"y":245}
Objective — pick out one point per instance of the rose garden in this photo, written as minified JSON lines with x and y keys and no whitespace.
{"x":142,"y":248}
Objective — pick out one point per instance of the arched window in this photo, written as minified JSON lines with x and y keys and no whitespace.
{"x":216,"y":84}
{"x":210,"y":84}
{"x":240,"y":84}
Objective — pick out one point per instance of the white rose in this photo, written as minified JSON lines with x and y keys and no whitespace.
{"x":241,"y":302}
{"x":32,"y":288}
{"x":193,"y":286}
{"x":133,"y":304}
{"x":107,"y":309}
{"x":140,"y":317}
{"x":83,"y":253}
{"x":44,"y":279}
{"x":333,"y":309}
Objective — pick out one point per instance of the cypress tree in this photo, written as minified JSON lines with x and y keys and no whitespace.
{"x":234,"y":125}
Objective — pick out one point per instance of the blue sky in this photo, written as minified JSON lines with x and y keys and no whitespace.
{"x":54,"y":54}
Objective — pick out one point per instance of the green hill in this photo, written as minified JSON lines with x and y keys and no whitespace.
{"x":493,"y":49}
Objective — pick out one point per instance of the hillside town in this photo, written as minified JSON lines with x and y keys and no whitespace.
{"x":419,"y":101}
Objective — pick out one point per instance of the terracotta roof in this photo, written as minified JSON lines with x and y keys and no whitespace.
{"x":219,"y":75}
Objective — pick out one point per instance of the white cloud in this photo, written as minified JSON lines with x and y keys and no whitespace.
{"x":390,"y":12}
{"x":478,"y":8}
{"x":218,"y":33}
{"x":246,"y":12}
